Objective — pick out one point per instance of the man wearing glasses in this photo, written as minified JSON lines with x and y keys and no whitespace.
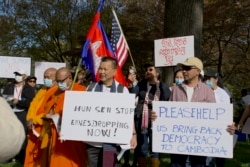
{"x":192,"y":90}
{"x":31,"y":80}
{"x":147,"y":90}
{"x":61,"y":153}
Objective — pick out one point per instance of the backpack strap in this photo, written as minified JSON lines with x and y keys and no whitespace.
{"x":91,"y":86}
{"x":120,"y":88}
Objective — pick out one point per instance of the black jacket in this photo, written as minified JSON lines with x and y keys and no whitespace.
{"x":141,"y":90}
{"x":27,"y":95}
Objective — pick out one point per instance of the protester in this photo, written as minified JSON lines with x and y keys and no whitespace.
{"x":211,"y":79}
{"x":102,"y":154}
{"x":31,"y":80}
{"x":178,"y":77}
{"x":192,"y":90}
{"x":11,"y":132}
{"x":60,"y":153}
{"x":34,"y":157}
{"x":148,"y":90}
{"x":20,"y":94}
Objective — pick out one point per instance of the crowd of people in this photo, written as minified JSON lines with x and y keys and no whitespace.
{"x":35,"y":110}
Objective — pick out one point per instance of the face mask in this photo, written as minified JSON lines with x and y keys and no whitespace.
{"x":48,"y":82}
{"x":179,"y":81}
{"x":62,"y":85}
{"x":209,"y":83}
{"x":18,"y":78}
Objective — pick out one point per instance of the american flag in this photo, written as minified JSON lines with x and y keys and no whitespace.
{"x":118,"y":41}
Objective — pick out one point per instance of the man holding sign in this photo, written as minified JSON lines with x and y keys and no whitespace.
{"x":102,"y":154}
{"x":61,"y":153}
{"x":192,"y":90}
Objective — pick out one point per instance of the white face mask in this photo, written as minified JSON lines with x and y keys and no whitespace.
{"x":18,"y":78}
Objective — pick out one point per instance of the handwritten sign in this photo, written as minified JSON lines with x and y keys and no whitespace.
{"x":40,"y":67}
{"x":193,"y":129}
{"x":10,"y":64}
{"x":98,"y":117}
{"x":171,"y":51}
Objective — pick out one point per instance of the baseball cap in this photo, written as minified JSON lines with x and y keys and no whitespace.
{"x":31,"y":77}
{"x":212,"y":74}
{"x":20,"y":72}
{"x":193,"y":61}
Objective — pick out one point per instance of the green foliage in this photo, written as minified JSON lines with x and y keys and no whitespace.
{"x":55,"y":31}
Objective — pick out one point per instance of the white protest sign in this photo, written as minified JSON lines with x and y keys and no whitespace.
{"x":10,"y":64}
{"x":171,"y":51}
{"x":193,"y":128}
{"x":40,"y":67}
{"x":98,"y":117}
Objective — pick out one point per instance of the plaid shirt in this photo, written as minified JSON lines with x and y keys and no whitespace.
{"x":202,"y":93}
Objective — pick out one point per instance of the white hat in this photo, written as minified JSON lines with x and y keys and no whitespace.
{"x":20,"y":72}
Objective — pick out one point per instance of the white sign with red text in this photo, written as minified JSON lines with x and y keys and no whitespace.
{"x":171,"y":51}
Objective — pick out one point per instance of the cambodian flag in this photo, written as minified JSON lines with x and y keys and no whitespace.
{"x":96,"y":46}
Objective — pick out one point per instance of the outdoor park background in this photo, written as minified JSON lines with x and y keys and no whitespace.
{"x":55,"y":31}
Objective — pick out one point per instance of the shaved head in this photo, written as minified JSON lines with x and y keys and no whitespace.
{"x":63,"y":75}
{"x":63,"y":72}
{"x":50,"y":73}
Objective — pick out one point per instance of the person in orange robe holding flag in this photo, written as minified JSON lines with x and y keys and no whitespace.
{"x":35,"y":122}
{"x":61,"y":153}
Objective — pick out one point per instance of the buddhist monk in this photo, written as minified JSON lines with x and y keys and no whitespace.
{"x":62,"y":153}
{"x":35,"y":121}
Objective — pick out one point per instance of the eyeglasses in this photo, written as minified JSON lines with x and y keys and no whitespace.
{"x":188,"y":68}
{"x":30,"y":81}
{"x":62,"y":80}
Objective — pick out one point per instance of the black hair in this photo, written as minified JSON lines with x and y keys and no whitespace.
{"x":175,"y":73}
{"x":111,"y":59}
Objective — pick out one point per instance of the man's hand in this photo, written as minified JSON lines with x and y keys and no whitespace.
{"x":239,"y":127}
{"x":14,"y":101}
{"x":29,"y":124}
{"x":153,"y":116}
{"x":133,"y":141}
{"x":231,"y":128}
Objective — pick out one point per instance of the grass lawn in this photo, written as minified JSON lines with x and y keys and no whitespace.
{"x":241,"y":157}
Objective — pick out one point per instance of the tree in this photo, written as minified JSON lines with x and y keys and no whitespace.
{"x":227,"y":40}
{"x":47,"y":30}
{"x":183,"y":18}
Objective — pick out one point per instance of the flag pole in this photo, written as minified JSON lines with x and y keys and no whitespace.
{"x":124,"y":36}
{"x":76,"y":73}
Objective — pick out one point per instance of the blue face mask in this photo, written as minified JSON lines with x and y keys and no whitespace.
{"x":179,"y":81}
{"x":209,"y":83}
{"x":48,"y":82}
{"x":62,"y":85}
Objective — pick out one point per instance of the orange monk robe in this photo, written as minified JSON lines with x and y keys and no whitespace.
{"x":66,"y":153}
{"x":32,"y":157}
